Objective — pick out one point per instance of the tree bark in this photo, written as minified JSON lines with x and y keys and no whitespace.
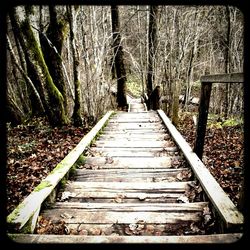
{"x":77,"y":119}
{"x":152,"y":43}
{"x":51,"y":45}
{"x":119,"y":59}
{"x":38,"y":70}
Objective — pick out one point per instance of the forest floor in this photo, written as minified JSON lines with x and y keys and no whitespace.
{"x":33,"y":150}
{"x":223,"y":150}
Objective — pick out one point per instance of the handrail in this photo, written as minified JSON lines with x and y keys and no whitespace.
{"x":222,"y":203}
{"x":206,"y":87}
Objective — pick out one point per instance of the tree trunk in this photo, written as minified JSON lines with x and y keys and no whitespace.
{"x":25,"y":63}
{"x":152,"y":43}
{"x":119,"y":60}
{"x":77,"y":119}
{"x":51,"y":44}
{"x":227,"y":62}
{"x":49,"y":93}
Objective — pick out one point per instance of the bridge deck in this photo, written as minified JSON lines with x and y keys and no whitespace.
{"x":134,"y":186}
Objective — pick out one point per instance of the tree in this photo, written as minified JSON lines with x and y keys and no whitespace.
{"x":37,"y":69}
{"x":152,"y":44}
{"x":119,"y":61}
{"x":51,"y":44}
{"x":77,"y":107}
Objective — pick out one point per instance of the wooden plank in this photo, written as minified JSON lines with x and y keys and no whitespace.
{"x":223,"y":78}
{"x":79,"y":239}
{"x":222,"y":203}
{"x":129,"y":175}
{"x":132,"y":144}
{"x":158,"y":207}
{"x":140,"y":197}
{"x":134,"y":133}
{"x":135,"y":119}
{"x":129,"y":162}
{"x":138,"y":131}
{"x":136,"y":137}
{"x":162,"y":187}
{"x":82,"y":216}
{"x":135,"y":125}
{"x":120,"y":196}
{"x":26,"y":209}
{"x":135,"y":152}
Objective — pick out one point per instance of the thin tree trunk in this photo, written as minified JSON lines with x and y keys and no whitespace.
{"x":119,"y":59}
{"x":152,"y":43}
{"x":26,"y":77}
{"x":227,"y":62}
{"x":77,"y":119}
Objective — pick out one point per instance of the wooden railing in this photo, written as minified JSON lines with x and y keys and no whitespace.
{"x":206,"y":87}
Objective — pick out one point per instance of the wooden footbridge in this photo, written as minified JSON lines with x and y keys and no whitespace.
{"x":138,"y":182}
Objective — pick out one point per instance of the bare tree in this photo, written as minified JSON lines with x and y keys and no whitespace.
{"x":119,"y":61}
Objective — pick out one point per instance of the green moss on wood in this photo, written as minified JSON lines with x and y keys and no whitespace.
{"x":15,"y":213}
{"x":42,"y":185}
{"x":54,"y":99}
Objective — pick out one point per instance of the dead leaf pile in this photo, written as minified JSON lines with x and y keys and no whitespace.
{"x":223,"y":154}
{"x":33,"y":150}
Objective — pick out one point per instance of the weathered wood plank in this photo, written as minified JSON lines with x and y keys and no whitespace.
{"x":134,"y":133}
{"x":26,"y":209}
{"x":82,"y":216}
{"x":222,"y":203}
{"x":135,"y":119}
{"x":130,"y":175}
{"x":136,"y":137}
{"x":168,"y":207}
{"x":79,"y":239}
{"x":129,"y":162}
{"x":149,"y":149}
{"x":121,"y":196}
{"x":150,"y":187}
{"x":135,"y":152}
{"x":132,"y":144}
{"x":135,"y":125}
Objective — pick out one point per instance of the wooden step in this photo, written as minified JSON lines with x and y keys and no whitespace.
{"x":133,"y":175}
{"x":120,"y":217}
{"x":132,"y":144}
{"x":129,"y":187}
{"x":136,"y":137}
{"x":134,"y":152}
{"x":129,"y":162}
{"x":135,"y":119}
{"x":134,"y":133}
{"x":77,"y":239}
{"x":135,"y":125}
{"x":144,"y":207}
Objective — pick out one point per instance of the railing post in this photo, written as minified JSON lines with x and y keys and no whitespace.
{"x":154,"y":99}
{"x":202,"y":119}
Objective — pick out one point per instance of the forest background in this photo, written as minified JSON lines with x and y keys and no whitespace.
{"x":61,"y":69}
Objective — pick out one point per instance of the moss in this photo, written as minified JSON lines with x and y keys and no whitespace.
{"x":42,"y":185}
{"x":81,"y":160}
{"x":63,"y":182}
{"x":55,"y":99}
{"x":15,"y":213}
